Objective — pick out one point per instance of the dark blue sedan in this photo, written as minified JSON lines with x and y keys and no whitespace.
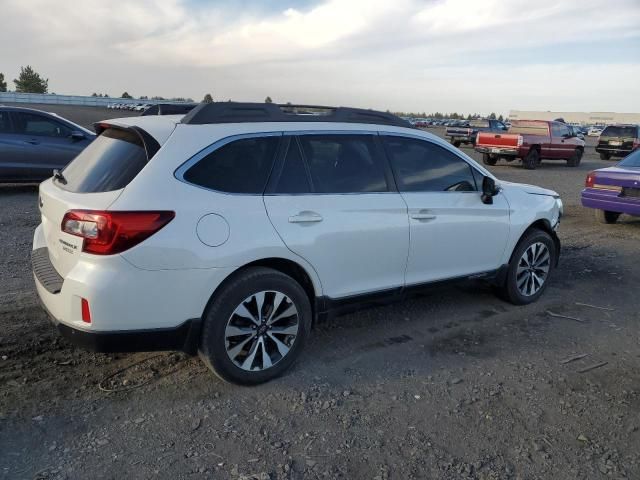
{"x":33,"y":143}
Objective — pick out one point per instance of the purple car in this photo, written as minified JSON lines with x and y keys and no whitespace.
{"x":614,"y":190}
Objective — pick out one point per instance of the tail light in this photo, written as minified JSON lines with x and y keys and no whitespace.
{"x":107,"y":233}
{"x":591,"y":180}
{"x":520,"y":140}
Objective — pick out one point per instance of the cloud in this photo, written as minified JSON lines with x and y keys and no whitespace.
{"x":374,"y":53}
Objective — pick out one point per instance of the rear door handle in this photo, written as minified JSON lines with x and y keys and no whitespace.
{"x":305,"y":217}
{"x":423,"y":216}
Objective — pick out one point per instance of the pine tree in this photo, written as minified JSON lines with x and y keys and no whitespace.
{"x":30,"y":81}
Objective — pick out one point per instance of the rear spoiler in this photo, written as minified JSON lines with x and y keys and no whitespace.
{"x":151,"y":145}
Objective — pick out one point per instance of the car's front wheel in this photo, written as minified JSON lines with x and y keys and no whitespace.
{"x":255,"y":327}
{"x":605,"y":156}
{"x":531,"y":265}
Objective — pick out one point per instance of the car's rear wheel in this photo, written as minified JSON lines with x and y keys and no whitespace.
{"x":531,"y":161}
{"x":456,"y":143}
{"x":256,"y":326}
{"x":575,"y":159}
{"x":488,"y":159}
{"x":605,"y":156}
{"x":530,"y":268}
{"x":605,"y":216}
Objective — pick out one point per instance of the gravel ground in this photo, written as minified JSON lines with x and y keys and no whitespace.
{"x":454,"y":384}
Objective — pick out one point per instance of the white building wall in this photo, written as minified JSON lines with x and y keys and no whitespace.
{"x":582,"y":118}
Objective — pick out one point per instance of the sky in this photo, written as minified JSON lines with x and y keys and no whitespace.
{"x":469,"y":56}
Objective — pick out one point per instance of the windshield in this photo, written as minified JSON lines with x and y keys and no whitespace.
{"x":619,"y":132}
{"x":109,"y":163}
{"x":631,"y":160}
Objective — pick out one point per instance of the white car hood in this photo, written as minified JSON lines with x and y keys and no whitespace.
{"x":527,"y":188}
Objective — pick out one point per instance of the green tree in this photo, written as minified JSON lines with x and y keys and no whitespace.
{"x":492,"y":116}
{"x":268,"y":100}
{"x":208,"y":98}
{"x":501,"y":118}
{"x":3,"y":84}
{"x":125,"y":95}
{"x":144,"y":97}
{"x":94,"y":94}
{"x":30,"y":81}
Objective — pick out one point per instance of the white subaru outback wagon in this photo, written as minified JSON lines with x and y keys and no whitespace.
{"x":229,"y":231}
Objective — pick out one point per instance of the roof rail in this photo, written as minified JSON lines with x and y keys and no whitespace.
{"x":233,"y":112}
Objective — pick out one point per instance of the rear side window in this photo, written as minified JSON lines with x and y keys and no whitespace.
{"x":421,"y":166}
{"x":241,"y":166}
{"x":294,"y":178}
{"x":40,"y":126}
{"x":344,"y":163}
{"x":614,"y":131}
{"x":109,"y":163}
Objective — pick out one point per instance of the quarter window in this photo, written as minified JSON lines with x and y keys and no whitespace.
{"x":241,"y":166}
{"x":344,"y":163}
{"x":421,"y":166}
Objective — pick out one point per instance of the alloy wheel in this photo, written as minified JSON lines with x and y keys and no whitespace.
{"x":533,"y":269}
{"x":261,"y":330}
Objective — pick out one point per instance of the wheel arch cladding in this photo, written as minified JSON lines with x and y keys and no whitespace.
{"x":282,"y":265}
{"x":543,"y":225}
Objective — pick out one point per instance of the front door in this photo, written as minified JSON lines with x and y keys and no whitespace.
{"x":453,"y":233}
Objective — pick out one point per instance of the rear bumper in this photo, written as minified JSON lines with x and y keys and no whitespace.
{"x":610,"y":201}
{"x":131,"y":309}
{"x":502,"y":151}
{"x":615,"y":151}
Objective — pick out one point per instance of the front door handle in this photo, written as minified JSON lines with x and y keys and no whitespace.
{"x":305,"y":217}
{"x":423,"y":216}
{"x":32,"y":141}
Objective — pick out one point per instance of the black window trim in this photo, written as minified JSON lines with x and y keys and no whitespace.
{"x":445,"y":146}
{"x":11,"y":122}
{"x":182,"y":169}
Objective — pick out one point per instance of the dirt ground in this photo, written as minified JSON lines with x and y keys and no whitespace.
{"x":455,"y":384}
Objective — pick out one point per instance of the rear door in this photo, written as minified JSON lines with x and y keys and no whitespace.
{"x":13,"y":151}
{"x":452,"y":232}
{"x":93,"y":181}
{"x":333,"y":202}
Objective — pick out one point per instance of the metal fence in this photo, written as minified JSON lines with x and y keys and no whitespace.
{"x":50,"y":98}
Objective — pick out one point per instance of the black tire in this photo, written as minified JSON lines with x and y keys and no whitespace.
{"x":574,"y":161}
{"x":605,"y":216}
{"x":456,"y":143}
{"x":487,"y":159}
{"x":605,"y":156}
{"x":509,"y":290}
{"x":213,"y":347}
{"x":531,"y":161}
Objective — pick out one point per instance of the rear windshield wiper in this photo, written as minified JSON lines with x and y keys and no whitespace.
{"x":57,"y":174}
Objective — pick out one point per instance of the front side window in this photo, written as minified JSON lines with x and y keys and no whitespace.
{"x":40,"y":126}
{"x":558,"y":130}
{"x":240,"y":166}
{"x":344,"y":163}
{"x":421,"y":166}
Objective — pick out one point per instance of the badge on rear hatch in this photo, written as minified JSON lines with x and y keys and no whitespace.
{"x":71,"y":246}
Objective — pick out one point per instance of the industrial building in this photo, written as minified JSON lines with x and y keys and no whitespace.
{"x":580,"y":118}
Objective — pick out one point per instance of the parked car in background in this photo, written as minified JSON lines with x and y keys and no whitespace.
{"x":33,"y":143}
{"x":169,"y":109}
{"x":467,"y":134}
{"x":595,"y":131}
{"x":577,"y":131}
{"x":230,"y":231}
{"x":618,"y":141}
{"x":614,"y":190}
{"x":531,"y":141}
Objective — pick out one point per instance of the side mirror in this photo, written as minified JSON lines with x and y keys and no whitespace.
{"x":489,"y":190}
{"x":77,"y":135}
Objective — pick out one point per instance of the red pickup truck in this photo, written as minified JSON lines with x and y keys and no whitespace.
{"x":531,"y":141}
